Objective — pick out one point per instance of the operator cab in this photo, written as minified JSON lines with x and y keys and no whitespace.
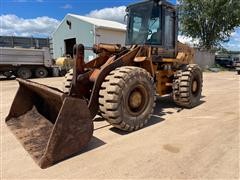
{"x":152,"y":22}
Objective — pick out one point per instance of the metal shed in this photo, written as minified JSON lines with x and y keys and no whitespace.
{"x":86,"y":30}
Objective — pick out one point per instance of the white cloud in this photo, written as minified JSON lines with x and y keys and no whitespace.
{"x":14,"y":25}
{"x":233,"y":44}
{"x":236,"y":35}
{"x":114,"y":13}
{"x":188,"y":40}
{"x":67,"y":6}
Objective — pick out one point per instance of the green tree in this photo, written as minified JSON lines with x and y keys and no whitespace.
{"x":210,"y":21}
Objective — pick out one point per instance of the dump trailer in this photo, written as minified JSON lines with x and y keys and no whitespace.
{"x":25,"y":62}
{"x":120,"y":84}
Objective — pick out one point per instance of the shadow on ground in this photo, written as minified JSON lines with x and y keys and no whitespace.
{"x":161,"y":104}
{"x":94,"y":143}
{"x":164,"y":106}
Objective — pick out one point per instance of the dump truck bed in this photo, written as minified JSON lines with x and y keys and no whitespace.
{"x":24,"y":56}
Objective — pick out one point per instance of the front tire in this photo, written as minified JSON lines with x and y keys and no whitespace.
{"x":187,"y":86}
{"x":127,"y":98}
{"x":68,"y":81}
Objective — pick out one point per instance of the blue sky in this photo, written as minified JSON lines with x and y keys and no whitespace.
{"x":55,"y":9}
{"x":59,"y":8}
{"x":41,"y":17}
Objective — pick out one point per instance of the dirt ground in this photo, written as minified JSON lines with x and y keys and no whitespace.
{"x":191,"y":143}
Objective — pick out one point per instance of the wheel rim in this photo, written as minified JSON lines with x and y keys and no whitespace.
{"x":24,"y":74}
{"x":137,"y":100}
{"x":194,"y":86}
{"x":41,"y":73}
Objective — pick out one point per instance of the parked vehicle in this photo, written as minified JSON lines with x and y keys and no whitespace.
{"x":25,"y":62}
{"x":237,"y":66}
{"x":225,"y":61}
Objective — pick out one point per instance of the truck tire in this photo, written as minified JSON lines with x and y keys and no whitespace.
{"x":238,"y":72}
{"x":127,"y":98}
{"x":187,"y":86}
{"x":7,"y":74}
{"x":62,"y":72}
{"x":41,"y":72}
{"x":68,"y":81}
{"x":24,"y":73}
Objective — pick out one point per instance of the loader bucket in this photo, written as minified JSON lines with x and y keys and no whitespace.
{"x":49,"y":124}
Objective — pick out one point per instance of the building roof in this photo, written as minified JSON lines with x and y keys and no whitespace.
{"x":101,"y":22}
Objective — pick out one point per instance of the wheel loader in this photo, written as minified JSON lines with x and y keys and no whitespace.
{"x":120,"y":84}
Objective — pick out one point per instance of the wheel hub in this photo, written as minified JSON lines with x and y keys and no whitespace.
{"x":135,"y":99}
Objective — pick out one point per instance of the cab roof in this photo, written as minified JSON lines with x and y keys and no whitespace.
{"x":162,"y":2}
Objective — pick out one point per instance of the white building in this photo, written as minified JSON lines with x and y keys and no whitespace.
{"x":87,"y":31}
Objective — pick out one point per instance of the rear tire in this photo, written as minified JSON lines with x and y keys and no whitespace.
{"x":127,"y":98}
{"x":62,"y":73}
{"x":41,"y":72}
{"x":68,"y":81}
{"x":24,"y":73}
{"x":187,"y":86}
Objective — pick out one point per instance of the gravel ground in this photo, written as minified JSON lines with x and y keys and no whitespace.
{"x":191,"y":143}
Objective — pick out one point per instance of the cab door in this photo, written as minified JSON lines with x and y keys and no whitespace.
{"x":170,"y":29}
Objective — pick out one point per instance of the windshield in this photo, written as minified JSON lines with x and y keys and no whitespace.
{"x":144,"y":25}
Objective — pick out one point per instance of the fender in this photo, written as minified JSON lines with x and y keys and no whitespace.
{"x":124,"y":60}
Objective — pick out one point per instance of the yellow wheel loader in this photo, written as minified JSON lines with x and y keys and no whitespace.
{"x":121,"y":85}
{"x":65,"y":63}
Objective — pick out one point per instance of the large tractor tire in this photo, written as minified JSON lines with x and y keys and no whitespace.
{"x":68,"y":81}
{"x":24,"y":73}
{"x":187,"y":86}
{"x":41,"y":72}
{"x":127,"y":98}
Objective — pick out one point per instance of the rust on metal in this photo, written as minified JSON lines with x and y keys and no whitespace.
{"x":78,"y":54}
{"x":81,"y":84}
{"x":124,"y":60}
{"x":110,"y":48}
{"x":50,"y":125}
